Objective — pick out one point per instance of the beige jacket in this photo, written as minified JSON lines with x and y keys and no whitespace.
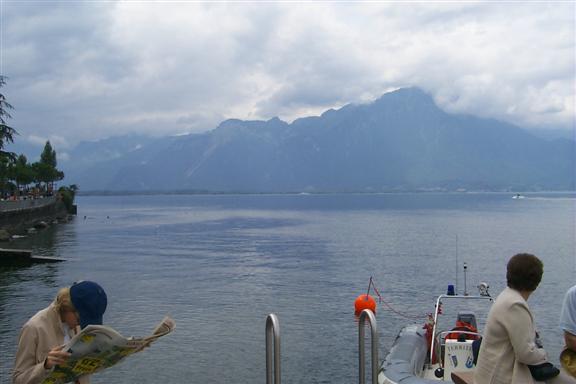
{"x":508,"y":344}
{"x":38,"y":336}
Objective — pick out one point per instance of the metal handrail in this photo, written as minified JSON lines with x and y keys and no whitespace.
{"x":272,"y":335}
{"x":437,"y":312}
{"x":374,"y":343}
{"x":438,"y":341}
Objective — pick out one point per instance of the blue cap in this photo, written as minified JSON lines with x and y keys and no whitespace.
{"x":90,"y":301}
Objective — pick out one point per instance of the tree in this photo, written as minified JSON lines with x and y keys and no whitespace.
{"x":6,"y":132}
{"x":5,"y":185}
{"x":22,"y":172}
{"x":67,"y":195}
{"x":48,"y":155}
{"x":42,"y":172}
{"x":45,"y":169}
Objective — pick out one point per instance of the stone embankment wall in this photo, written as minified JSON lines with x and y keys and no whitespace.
{"x":17,"y":216}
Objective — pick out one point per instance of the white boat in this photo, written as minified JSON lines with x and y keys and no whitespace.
{"x":436,"y":352}
{"x":518,"y":196}
{"x":421,"y":354}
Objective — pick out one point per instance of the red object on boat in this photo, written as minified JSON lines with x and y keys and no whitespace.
{"x":462,"y":326}
{"x":363,"y":302}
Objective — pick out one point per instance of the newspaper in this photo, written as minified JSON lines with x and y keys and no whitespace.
{"x":98,"y":347}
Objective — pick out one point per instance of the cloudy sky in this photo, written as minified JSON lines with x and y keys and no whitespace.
{"x":86,"y":70}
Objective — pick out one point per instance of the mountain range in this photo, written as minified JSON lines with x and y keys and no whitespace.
{"x":400,"y":142}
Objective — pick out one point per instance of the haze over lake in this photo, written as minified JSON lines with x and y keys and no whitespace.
{"x":218,"y":264}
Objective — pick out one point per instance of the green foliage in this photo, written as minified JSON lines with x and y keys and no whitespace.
{"x":16,"y":168}
{"x":67,"y":194}
{"x":42,"y":172}
{"x":45,"y":170}
{"x":6,"y":132}
{"x":22,"y":172}
{"x":5,"y":184}
{"x":48,"y":155}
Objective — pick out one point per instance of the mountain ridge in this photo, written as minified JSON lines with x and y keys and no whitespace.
{"x":400,"y":141}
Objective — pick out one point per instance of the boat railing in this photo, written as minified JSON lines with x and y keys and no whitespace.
{"x":272,"y":349}
{"x":367,"y":314}
{"x":440,"y":339}
{"x":437,"y":311}
{"x":443,"y":334}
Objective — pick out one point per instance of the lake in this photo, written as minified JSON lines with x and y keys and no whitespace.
{"x":218,"y":264}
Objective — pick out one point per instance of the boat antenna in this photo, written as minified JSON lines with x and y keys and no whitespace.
{"x":456,"y":285}
{"x":465,"y":287}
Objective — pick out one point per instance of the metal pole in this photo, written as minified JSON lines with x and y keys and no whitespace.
{"x":272,"y":335}
{"x":465,"y":286}
{"x":456,"y":287}
{"x":436,"y":312}
{"x":361,"y":354}
{"x":438,"y":303}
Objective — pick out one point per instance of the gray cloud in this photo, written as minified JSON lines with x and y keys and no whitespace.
{"x":90,"y":70}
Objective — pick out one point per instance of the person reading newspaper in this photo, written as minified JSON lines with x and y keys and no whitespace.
{"x":43,"y":336}
{"x":98,"y":347}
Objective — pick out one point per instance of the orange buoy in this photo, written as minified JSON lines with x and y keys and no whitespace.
{"x":363,"y":302}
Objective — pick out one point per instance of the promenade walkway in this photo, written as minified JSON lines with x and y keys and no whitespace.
{"x":17,"y":205}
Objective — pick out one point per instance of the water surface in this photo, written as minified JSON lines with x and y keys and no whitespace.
{"x":219,"y":264}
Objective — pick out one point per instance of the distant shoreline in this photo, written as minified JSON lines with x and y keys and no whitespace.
{"x":215,"y":193}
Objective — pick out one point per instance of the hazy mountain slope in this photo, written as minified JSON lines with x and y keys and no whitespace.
{"x":400,"y":141}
